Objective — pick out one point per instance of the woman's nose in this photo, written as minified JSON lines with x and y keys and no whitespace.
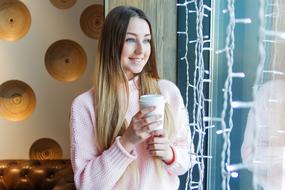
{"x":139,"y":48}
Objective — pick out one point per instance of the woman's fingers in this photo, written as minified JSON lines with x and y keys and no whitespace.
{"x":144,"y":112}
{"x":164,"y":152}
{"x":141,"y":126}
{"x":158,"y":145}
{"x":147,"y":123}
{"x":151,"y":126}
{"x":158,"y":133}
{"x":153,"y":147}
{"x":158,"y":153}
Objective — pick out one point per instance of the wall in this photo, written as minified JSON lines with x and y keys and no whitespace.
{"x":162,"y":14}
{"x":24,"y":60}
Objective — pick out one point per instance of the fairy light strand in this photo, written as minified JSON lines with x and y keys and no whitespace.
{"x":185,"y":58}
{"x":258,"y":81}
{"x":201,"y":122}
{"x":229,"y":47}
{"x":199,"y":127}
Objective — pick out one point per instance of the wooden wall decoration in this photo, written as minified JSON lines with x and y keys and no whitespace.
{"x":15,"y":20}
{"x":162,"y":14}
{"x":91,"y":20}
{"x":63,"y":4}
{"x":65,"y":60}
{"x":45,"y":149}
{"x":17,"y":100}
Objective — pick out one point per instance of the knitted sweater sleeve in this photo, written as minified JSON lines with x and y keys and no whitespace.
{"x":182,"y":143}
{"x":93,"y":170}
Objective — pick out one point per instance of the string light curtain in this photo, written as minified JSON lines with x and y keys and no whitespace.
{"x":271,"y":27}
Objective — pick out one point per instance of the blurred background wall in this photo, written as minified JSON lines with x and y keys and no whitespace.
{"x":24,"y":60}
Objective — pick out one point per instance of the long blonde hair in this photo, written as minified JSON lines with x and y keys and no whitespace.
{"x":111,"y":84}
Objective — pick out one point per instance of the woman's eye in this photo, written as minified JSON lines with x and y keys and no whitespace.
{"x":146,"y":41}
{"x":130,"y":40}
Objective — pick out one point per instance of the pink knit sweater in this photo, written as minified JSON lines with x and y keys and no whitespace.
{"x":95,"y":171}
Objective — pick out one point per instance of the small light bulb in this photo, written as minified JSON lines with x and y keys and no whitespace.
{"x":234,"y":174}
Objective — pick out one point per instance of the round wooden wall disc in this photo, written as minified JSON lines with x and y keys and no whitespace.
{"x":63,"y":4}
{"x":45,"y":149}
{"x":17,"y":100}
{"x":91,"y":20}
{"x":65,"y":60}
{"x":15,"y":20}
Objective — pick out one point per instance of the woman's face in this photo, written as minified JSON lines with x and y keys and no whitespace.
{"x":136,"y":49}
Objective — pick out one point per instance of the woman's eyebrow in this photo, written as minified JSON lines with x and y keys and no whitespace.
{"x":131,"y":33}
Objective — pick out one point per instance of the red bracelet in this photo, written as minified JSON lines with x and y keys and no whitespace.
{"x":173,"y":158}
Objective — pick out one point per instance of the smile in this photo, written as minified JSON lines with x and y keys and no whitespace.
{"x":136,"y":60}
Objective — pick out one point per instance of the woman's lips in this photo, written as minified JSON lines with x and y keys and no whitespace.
{"x":136,"y":60}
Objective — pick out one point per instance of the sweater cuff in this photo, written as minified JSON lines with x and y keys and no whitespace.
{"x":132,"y":155}
{"x":176,"y":163}
{"x":118,"y":156}
{"x":173,"y":158}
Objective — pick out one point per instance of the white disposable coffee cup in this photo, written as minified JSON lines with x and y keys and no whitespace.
{"x":154,"y":100}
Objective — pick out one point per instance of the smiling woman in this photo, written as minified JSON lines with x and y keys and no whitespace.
{"x":113,"y":144}
{"x":136,"y":49}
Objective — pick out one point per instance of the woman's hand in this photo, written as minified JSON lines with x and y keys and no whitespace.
{"x":139,"y":129}
{"x":159,"y":146}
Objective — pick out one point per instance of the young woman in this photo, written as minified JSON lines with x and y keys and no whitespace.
{"x":113,"y":145}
